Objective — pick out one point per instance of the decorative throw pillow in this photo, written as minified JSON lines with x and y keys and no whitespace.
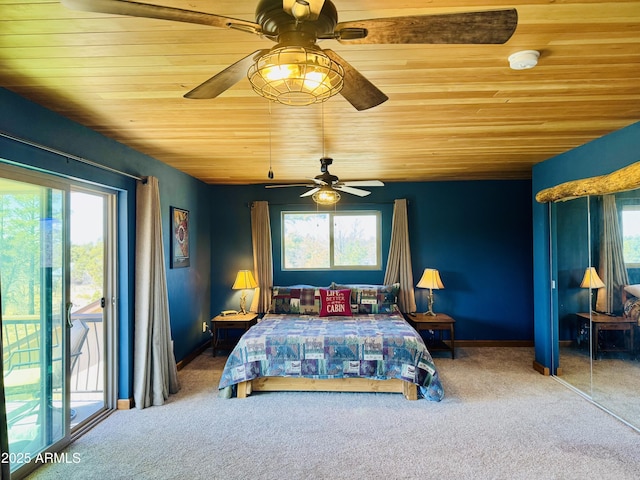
{"x":335,"y":302}
{"x":372,"y":298}
{"x":304,"y":301}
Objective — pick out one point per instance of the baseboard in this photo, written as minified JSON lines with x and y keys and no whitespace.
{"x":538,"y":367}
{"x":190,"y":357}
{"x":494,"y":343}
{"x":125,"y":403}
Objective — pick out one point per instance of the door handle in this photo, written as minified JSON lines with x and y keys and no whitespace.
{"x":69,"y":307}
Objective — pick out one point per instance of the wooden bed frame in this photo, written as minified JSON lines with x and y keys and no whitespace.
{"x":351,"y":384}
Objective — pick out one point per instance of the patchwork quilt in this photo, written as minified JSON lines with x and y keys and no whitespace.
{"x":378,"y":346}
{"x":632,"y":309}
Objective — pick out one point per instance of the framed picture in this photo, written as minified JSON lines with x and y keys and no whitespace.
{"x":179,"y":237}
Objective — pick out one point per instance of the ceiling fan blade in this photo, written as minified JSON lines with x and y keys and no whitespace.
{"x":308,"y":10}
{"x":352,"y":191}
{"x":135,"y":9}
{"x":363,"y":183}
{"x":357,"y":90}
{"x":490,"y":27}
{"x":289,"y":185}
{"x":310,"y":192}
{"x":226,"y":79}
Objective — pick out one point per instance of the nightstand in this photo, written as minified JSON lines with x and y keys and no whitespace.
{"x":221,"y":323}
{"x":437,"y":323}
{"x":601,"y":323}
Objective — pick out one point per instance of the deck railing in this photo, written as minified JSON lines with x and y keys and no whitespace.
{"x":21,"y":339}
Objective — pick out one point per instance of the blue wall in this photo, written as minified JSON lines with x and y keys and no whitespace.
{"x":189,"y":288}
{"x":599,"y":157}
{"x":478,"y":234}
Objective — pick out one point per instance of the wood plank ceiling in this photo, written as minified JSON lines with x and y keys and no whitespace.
{"x":454,"y":111}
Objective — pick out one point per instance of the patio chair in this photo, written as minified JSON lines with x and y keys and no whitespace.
{"x":22,"y":379}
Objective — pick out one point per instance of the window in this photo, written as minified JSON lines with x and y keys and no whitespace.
{"x":331,"y":240}
{"x":631,"y":235}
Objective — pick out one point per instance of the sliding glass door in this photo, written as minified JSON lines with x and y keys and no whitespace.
{"x":89,"y":242}
{"x":34,"y":315}
{"x":57,"y":266}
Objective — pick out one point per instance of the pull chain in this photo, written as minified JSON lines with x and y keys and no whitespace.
{"x":322,"y":123}
{"x":270,"y":174}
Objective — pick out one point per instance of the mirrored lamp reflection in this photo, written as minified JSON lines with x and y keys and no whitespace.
{"x":592,"y":281}
{"x":430,"y":279}
{"x":244,"y":280}
{"x":326,"y":196}
{"x":294,"y":75}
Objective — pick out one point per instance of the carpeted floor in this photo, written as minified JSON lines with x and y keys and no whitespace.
{"x":612,"y":380}
{"x":499,"y":419}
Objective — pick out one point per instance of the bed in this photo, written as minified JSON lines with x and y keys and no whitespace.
{"x":631,"y":302}
{"x":343,"y":338}
{"x":631,"y":310}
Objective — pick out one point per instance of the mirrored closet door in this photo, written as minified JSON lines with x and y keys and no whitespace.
{"x":596,"y":271}
{"x":572,"y":258}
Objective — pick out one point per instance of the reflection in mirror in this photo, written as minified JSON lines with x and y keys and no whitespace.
{"x":571,"y":249}
{"x":616,"y":370}
{"x":598,"y":327}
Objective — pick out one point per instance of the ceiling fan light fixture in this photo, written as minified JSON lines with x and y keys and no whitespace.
{"x":326,"y":196}
{"x":296,"y":76}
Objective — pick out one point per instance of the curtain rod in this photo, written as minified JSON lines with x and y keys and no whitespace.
{"x":68,"y":155}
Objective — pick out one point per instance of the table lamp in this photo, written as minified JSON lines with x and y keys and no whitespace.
{"x":430,"y":279}
{"x":591,"y":280}
{"x":244,"y":280}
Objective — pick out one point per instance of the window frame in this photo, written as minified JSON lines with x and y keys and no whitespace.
{"x":332,"y":266}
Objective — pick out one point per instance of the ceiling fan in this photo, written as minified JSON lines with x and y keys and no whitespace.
{"x":302,"y":23}
{"x":325,"y":187}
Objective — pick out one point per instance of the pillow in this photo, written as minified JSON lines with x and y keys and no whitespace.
{"x":304,"y":300}
{"x":633,"y":290}
{"x":372,"y":298}
{"x":335,"y":302}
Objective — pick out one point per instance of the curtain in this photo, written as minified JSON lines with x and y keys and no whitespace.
{"x":262,"y":256}
{"x":399,"y":262}
{"x":612,"y":269}
{"x":155,"y":374}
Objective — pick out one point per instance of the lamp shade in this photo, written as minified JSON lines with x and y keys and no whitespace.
{"x":591,"y":279}
{"x":244,"y":279}
{"x":430,"y":279}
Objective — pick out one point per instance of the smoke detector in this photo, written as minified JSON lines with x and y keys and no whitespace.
{"x":524,"y":60}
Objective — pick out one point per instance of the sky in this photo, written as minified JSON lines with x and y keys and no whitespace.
{"x":86,"y":218}
{"x":630,"y":222}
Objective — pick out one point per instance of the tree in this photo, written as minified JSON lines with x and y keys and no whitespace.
{"x":20,"y":253}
